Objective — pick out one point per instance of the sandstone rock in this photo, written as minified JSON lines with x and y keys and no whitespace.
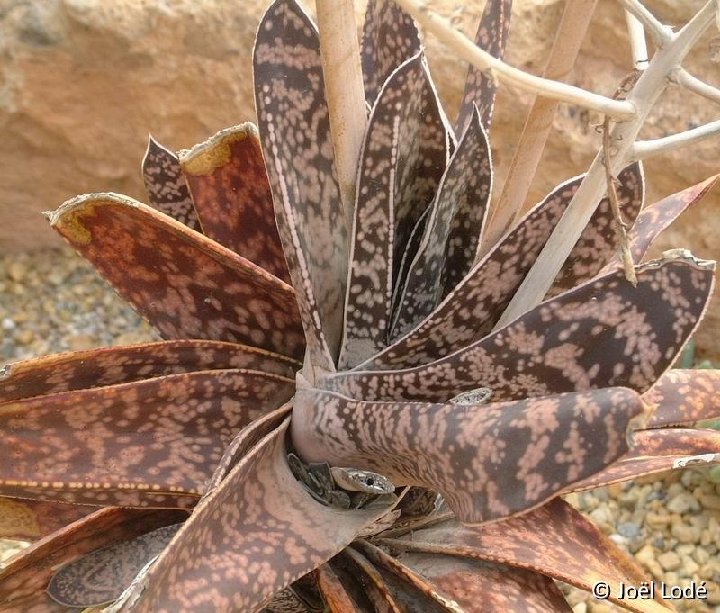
{"x":84,"y":81}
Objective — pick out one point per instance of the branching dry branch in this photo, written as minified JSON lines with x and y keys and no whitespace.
{"x":683,"y":78}
{"x":638,"y":46}
{"x":468,"y":51}
{"x":659,"y":32}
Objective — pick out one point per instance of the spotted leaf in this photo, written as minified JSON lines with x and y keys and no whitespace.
{"x":147,"y":443}
{"x":554,"y":540}
{"x":165,"y":185}
{"x":295,"y":133}
{"x":463,"y":451}
{"x":390,"y":37}
{"x":403,"y":157}
{"x":451,"y":236}
{"x":30,"y":520}
{"x":658,"y":451}
{"x":684,"y":396}
{"x":186,"y":285}
{"x":258,"y":513}
{"x":112,"y":365}
{"x":100,"y":577}
{"x":599,"y":242}
{"x":230,"y":189}
{"x":480,"y":87}
{"x":576,"y":341}
{"x":24,"y":579}
{"x":461,"y":585}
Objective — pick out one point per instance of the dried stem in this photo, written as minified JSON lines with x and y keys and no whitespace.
{"x":568,"y":230}
{"x":659,"y":32}
{"x":467,"y":50}
{"x":340,"y":52}
{"x":638,"y":46}
{"x":570,"y":34}
{"x":644,"y":149}
{"x":683,"y":78}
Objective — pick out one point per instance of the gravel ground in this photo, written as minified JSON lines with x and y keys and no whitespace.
{"x":52,"y":301}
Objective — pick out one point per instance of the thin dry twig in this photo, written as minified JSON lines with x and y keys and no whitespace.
{"x":683,"y":78}
{"x":659,"y":32}
{"x":644,"y":149}
{"x":638,"y":46}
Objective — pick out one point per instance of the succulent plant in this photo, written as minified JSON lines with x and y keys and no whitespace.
{"x":334,"y":419}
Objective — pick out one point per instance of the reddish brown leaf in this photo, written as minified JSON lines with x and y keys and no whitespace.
{"x":100,"y":577}
{"x":554,"y":540}
{"x":371,"y":581}
{"x":402,"y":160}
{"x":166,"y":187}
{"x":475,"y":305}
{"x":147,"y":443}
{"x":29,"y":520}
{"x":658,"y":451}
{"x":577,"y":341}
{"x":24,"y":579}
{"x":255,"y":534}
{"x":111,"y":365}
{"x":186,"y":285}
{"x":334,"y":592}
{"x":294,"y":126}
{"x":655,"y":218}
{"x":464,"y":451}
{"x":480,"y":86}
{"x":448,"y":247}
{"x":474,"y":586}
{"x":390,"y":37}
{"x":230,"y":189}
{"x":683,"y":397}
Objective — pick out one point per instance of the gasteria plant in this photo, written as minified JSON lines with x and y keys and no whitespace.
{"x":367,"y":438}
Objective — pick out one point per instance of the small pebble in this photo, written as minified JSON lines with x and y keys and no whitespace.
{"x":669,"y":560}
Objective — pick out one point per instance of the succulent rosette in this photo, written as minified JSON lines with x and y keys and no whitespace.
{"x":335,"y":419}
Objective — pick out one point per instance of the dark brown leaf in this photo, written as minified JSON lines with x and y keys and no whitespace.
{"x":147,"y":443}
{"x":112,"y":365}
{"x":294,"y":126}
{"x":229,"y":186}
{"x":577,"y":341}
{"x":185,"y":284}
{"x":390,"y":37}
{"x":554,"y":540}
{"x":24,"y":579}
{"x":255,"y":534}
{"x":684,"y":396}
{"x":165,"y":185}
{"x":402,"y":160}
{"x":489,"y":461}
{"x":480,"y":86}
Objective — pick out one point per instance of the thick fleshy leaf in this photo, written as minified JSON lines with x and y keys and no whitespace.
{"x":186,"y":285}
{"x":29,"y":520}
{"x":577,"y":341}
{"x":229,"y":186}
{"x":294,"y":125}
{"x":165,"y":185}
{"x":471,"y":585}
{"x":475,"y":305}
{"x":480,"y":86}
{"x":554,"y":540}
{"x":254,"y":535}
{"x":390,"y":37}
{"x":655,"y":218}
{"x":100,"y":577}
{"x":24,"y":579}
{"x":147,"y":443}
{"x":658,"y":451}
{"x":112,"y":365}
{"x":448,"y":247}
{"x":401,"y":163}
{"x":599,"y":242}
{"x":684,"y":396}
{"x":556,"y":441}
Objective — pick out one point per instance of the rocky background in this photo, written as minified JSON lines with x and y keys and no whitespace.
{"x":82,"y":82}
